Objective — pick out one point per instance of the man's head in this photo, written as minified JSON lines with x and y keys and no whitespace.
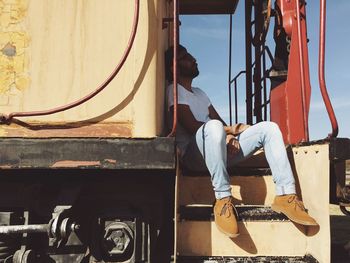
{"x":186,"y":63}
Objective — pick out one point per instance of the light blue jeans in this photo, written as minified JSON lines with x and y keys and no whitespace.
{"x":208,"y":150}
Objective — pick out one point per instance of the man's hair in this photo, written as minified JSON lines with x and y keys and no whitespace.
{"x":169,"y":56}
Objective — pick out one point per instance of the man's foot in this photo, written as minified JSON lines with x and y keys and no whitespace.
{"x":293,"y":208}
{"x":226,"y":217}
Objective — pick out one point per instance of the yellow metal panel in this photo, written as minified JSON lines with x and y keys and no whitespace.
{"x":312,"y":170}
{"x":256,"y":238}
{"x":252,"y":190}
{"x":64,"y":49}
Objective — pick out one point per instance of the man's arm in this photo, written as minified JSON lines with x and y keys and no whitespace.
{"x":186,"y":118}
{"x":235,"y":129}
{"x":214,"y":115}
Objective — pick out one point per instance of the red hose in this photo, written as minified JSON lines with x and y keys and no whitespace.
{"x":8,"y":118}
{"x":321,"y":75}
{"x":176,"y":43}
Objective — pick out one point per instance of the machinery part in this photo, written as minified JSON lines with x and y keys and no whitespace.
{"x":125,"y":238}
{"x":60,"y":228}
{"x":118,"y":239}
{"x":344,"y":201}
{"x":344,"y":210}
{"x":9,"y":244}
{"x":261,"y":29}
{"x":24,"y":256}
{"x":20,"y":229}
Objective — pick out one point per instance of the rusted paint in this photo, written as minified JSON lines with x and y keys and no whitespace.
{"x":81,"y":129}
{"x":87,"y":153}
{"x":110,"y":161}
{"x":5,"y":166}
{"x":207,"y":7}
{"x":72,"y":164}
{"x":14,"y":55}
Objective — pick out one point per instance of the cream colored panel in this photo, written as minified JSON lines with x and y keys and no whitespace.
{"x":312,"y":169}
{"x":150,"y":122}
{"x":248,"y":190}
{"x":69,"y":47}
{"x":255,"y":239}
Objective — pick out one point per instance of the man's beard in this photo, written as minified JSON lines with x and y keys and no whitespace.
{"x":189,"y":73}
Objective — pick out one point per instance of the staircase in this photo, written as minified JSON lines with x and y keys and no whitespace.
{"x":265,"y":236}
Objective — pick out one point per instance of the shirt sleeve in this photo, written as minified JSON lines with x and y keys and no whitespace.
{"x":181,"y":96}
{"x":205,"y":97}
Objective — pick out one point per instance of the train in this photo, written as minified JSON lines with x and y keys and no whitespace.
{"x":89,"y":168}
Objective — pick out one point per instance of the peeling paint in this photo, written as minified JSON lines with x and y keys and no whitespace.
{"x":3,"y":132}
{"x":39,"y":130}
{"x":72,"y":164}
{"x":14,"y":43}
{"x":111,"y":161}
{"x":9,"y":50}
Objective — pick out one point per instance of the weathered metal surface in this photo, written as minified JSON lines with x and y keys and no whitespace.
{"x":19,"y":229}
{"x":306,"y":259}
{"x":87,"y":153}
{"x":245,"y":213}
{"x":194,"y":7}
{"x":74,"y":129}
{"x":242,"y":171}
{"x":339,"y":149}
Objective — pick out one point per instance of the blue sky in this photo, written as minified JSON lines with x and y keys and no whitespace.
{"x":206,"y":37}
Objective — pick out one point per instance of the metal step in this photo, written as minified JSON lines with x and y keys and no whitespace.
{"x":305,"y":259}
{"x":249,"y":190}
{"x":263,"y":232}
{"x":245,"y":213}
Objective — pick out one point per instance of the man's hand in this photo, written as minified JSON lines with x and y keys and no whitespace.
{"x":232,"y":144}
{"x":238,"y":128}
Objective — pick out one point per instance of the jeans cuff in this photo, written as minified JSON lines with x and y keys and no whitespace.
{"x":220,"y":195}
{"x":285,"y":190}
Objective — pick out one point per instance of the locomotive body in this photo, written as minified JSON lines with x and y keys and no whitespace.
{"x":88,"y":172}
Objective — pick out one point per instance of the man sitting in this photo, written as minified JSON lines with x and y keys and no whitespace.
{"x":206,"y":142}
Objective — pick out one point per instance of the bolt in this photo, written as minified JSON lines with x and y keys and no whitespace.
{"x":119,"y":233}
{"x":120,"y":246}
{"x":117,"y":240}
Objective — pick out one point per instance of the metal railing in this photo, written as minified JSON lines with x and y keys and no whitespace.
{"x":265,"y":50}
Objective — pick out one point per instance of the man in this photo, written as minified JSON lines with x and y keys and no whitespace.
{"x":206,"y":142}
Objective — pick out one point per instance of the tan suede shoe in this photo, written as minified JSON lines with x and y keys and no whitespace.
{"x":293,"y":208}
{"x":226,"y":217}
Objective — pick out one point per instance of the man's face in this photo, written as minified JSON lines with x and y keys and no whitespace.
{"x":187,"y":65}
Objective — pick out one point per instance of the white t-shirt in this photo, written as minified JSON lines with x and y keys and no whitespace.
{"x":199,"y":104}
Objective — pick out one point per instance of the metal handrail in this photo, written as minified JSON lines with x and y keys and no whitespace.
{"x":175,"y":46}
{"x":265,"y":49}
{"x":321,"y":67}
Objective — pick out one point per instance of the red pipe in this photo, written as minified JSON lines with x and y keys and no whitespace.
{"x":301,"y":62}
{"x":321,"y":66}
{"x":176,"y":43}
{"x":8,"y":118}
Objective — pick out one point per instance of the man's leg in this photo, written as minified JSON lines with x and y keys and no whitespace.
{"x":268,"y":136}
{"x":209,"y":149}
